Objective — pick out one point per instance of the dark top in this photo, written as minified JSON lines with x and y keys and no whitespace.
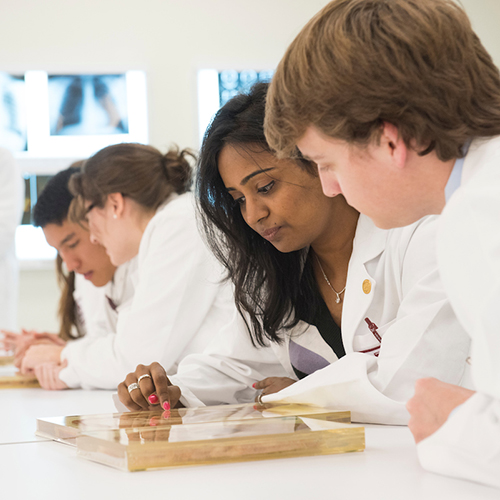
{"x":328,"y":329}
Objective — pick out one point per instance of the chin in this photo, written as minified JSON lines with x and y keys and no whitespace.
{"x":99,"y":282}
{"x":284,"y":247}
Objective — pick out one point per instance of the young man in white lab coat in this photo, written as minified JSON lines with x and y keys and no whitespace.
{"x":398,"y":103}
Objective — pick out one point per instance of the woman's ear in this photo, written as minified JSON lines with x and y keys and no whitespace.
{"x":116,"y":205}
{"x":394,"y":144}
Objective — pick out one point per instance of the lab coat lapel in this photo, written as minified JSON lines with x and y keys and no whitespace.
{"x":369,"y":243}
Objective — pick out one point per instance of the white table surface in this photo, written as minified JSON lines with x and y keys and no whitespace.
{"x":388,"y":468}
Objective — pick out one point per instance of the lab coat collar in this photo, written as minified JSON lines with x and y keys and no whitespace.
{"x":172,"y":197}
{"x":369,"y":244}
{"x":481,"y":151}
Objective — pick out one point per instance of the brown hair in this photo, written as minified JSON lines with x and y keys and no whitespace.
{"x":135,"y":170}
{"x":67,"y":311}
{"x":358,"y":63}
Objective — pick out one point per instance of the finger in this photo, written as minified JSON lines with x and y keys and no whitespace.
{"x":169,"y":395}
{"x":25,"y":366}
{"x":40,"y":374}
{"x":53,"y":376}
{"x":136,"y":394}
{"x":125,"y":398}
{"x":146,"y":384}
{"x":262,"y":384}
{"x":18,"y":361}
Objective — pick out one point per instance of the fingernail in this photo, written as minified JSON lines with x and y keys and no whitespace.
{"x":153,"y":399}
{"x":153,"y":422}
{"x":166,"y":405}
{"x":253,"y":385}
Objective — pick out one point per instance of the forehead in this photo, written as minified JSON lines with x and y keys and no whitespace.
{"x":235,"y":162}
{"x":56,"y":234}
{"x":315,"y":145}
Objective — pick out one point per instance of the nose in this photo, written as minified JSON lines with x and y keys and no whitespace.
{"x":94,"y":240}
{"x":255,"y":211}
{"x":72,"y":261}
{"x":329,"y":183}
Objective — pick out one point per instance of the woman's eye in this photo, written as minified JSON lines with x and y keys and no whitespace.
{"x":74,"y":245}
{"x":240,"y":201}
{"x":266,"y":188}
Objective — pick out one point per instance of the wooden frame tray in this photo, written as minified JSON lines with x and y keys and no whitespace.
{"x":207,"y":435}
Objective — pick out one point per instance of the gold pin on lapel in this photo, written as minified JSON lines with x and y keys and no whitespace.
{"x":367,"y":286}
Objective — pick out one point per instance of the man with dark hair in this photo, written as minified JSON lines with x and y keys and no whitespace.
{"x":398,"y":103}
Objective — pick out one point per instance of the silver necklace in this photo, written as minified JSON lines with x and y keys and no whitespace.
{"x":338,"y":294}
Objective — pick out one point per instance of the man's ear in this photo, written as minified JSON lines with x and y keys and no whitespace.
{"x":116,"y":204}
{"x":394,"y":144}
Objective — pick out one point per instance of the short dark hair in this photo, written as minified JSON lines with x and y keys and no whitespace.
{"x":53,"y":202}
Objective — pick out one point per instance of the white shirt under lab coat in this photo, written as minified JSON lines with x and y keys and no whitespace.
{"x":393,"y":282}
{"x":468,"y":445}
{"x":11,"y":209}
{"x":178,"y":304}
{"x":98,"y":310}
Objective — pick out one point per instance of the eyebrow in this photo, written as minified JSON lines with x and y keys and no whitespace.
{"x":253,"y":174}
{"x":69,"y":237}
{"x":308,"y":158}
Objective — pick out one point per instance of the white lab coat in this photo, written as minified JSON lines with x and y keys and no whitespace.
{"x":420,"y":337}
{"x":11,"y":209}
{"x":98,"y":310}
{"x":178,"y":303}
{"x":468,"y":444}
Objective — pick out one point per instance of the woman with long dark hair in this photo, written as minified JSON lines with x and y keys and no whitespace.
{"x":355,"y":313}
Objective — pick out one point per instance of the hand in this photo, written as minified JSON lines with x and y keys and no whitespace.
{"x":270,"y":385}
{"x":48,"y":376}
{"x":153,"y":391}
{"x":38,"y":354}
{"x":432,"y":404}
{"x":21,"y":342}
{"x":17,"y":342}
{"x":45,"y":337}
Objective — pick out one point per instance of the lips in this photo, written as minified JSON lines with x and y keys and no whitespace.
{"x":270,"y":234}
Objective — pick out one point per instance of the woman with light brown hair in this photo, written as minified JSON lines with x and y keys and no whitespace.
{"x":137,"y":203}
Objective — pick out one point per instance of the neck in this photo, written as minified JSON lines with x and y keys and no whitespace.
{"x":433,"y":175}
{"x":334,"y":246}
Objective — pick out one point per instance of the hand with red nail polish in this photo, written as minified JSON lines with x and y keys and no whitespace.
{"x":147,"y":387}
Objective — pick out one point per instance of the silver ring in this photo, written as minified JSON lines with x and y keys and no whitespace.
{"x":132,"y":387}
{"x":259,"y":398}
{"x":146,"y":375}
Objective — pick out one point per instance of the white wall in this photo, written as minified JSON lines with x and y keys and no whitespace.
{"x":170,"y":40}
